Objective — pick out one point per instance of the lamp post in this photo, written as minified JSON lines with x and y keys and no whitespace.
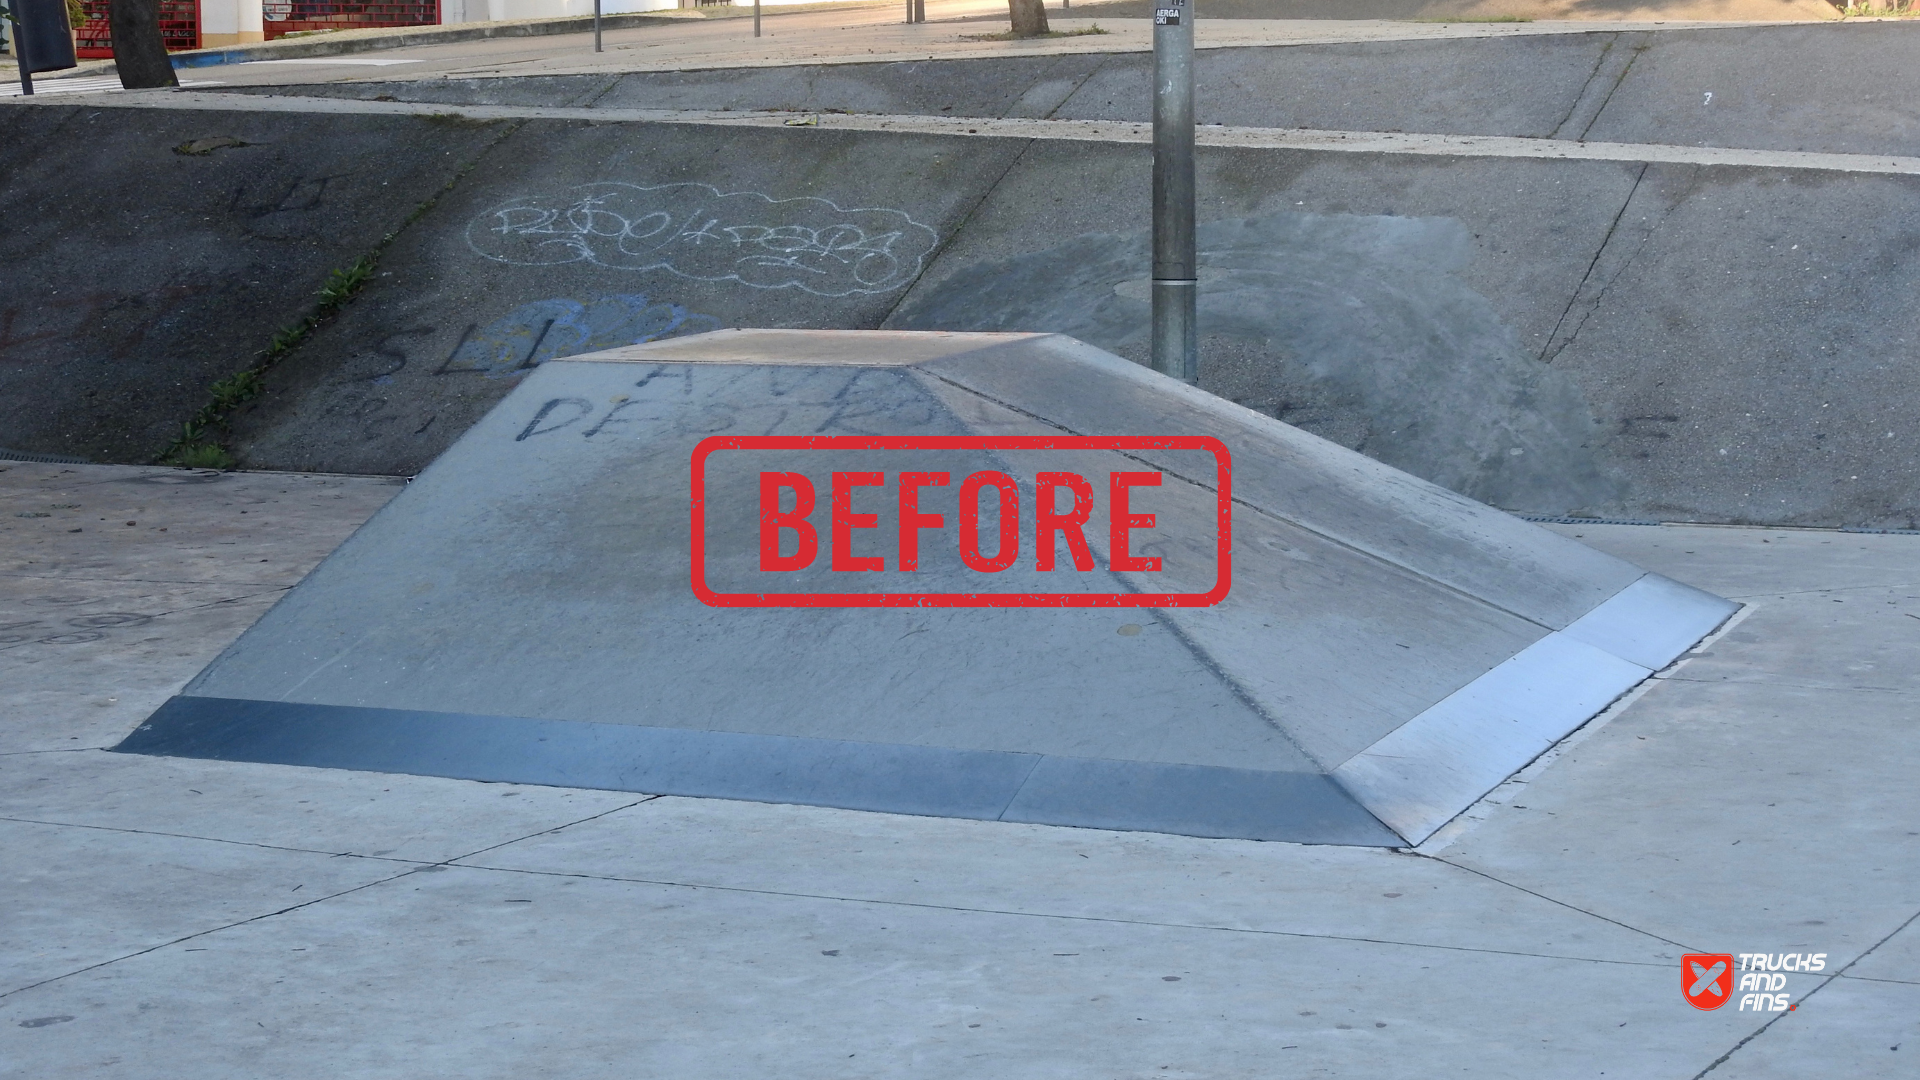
{"x":1175,"y":271}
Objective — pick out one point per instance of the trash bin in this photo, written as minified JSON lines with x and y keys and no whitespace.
{"x":42,"y":39}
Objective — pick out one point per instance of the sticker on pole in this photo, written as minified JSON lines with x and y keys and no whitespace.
{"x":961,"y":521}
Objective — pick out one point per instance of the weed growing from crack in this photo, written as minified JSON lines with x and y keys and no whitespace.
{"x":1008,"y":35}
{"x":1893,"y":9}
{"x":197,"y":448}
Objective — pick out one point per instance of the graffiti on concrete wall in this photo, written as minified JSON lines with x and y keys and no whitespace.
{"x":700,"y":232}
{"x":532,"y":334}
{"x":1357,"y":328}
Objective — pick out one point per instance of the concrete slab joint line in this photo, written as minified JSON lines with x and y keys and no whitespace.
{"x":1609,"y":71}
{"x":1820,"y":985}
{"x":806,"y":934}
{"x":1643,"y":213}
{"x":1501,"y":636}
{"x":303,"y":904}
{"x":1555,"y":343}
{"x":1356,"y":142}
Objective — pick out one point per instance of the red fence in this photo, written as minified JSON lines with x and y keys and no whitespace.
{"x":179,"y":28}
{"x":286,"y":16}
{"x":180,"y":20}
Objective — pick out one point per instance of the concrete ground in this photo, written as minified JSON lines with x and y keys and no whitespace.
{"x":189,"y":918}
{"x":870,"y":32}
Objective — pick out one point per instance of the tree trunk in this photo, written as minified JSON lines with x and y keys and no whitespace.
{"x":1029,"y":18}
{"x":139,"y":53}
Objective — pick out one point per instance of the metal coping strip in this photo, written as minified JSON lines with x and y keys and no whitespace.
{"x":1142,"y":796}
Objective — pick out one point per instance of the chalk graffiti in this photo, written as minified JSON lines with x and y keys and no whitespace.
{"x":532,"y":334}
{"x":702,"y":233}
{"x":800,"y":400}
{"x":45,"y":328}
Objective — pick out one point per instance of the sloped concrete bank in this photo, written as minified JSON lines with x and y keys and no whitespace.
{"x":1680,"y":342}
{"x":137,"y":275}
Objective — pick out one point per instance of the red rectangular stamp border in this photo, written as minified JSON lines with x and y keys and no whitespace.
{"x":709,"y":446}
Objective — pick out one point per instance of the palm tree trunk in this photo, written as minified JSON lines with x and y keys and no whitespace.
{"x":139,"y":53}
{"x":1029,"y":18}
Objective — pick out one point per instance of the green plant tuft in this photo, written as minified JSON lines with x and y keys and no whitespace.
{"x":346,"y":281}
{"x":194,"y":448}
{"x":199,"y":456}
{"x":238,"y":388}
{"x":1893,"y":9}
{"x":1008,"y":35}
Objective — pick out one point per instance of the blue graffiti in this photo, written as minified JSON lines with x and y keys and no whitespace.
{"x":532,"y":334}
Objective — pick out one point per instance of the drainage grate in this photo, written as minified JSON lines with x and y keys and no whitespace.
{"x":1582,"y":521}
{"x":45,"y":459}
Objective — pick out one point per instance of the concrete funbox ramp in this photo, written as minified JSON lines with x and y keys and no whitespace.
{"x":614,"y":581}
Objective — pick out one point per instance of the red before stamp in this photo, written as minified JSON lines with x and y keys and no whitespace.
{"x":960,"y":521}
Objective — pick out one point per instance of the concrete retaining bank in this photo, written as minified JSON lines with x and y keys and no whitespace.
{"x":1629,"y":340}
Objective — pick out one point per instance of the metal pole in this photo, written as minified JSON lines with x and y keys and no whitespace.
{"x":596,"y":25}
{"x":919,"y":11}
{"x":756,"y":18}
{"x":1175,"y":260}
{"x":17,"y":41}
{"x":909,"y":12}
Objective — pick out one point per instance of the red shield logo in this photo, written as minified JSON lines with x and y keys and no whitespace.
{"x":1706,"y":979}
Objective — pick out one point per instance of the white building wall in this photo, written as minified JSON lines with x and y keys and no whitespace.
{"x":455,"y":11}
{"x":229,"y":22}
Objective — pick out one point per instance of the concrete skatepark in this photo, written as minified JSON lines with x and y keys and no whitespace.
{"x":1605,"y":363}
{"x":1522,"y":304}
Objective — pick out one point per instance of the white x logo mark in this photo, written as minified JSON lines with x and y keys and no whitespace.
{"x":1704,"y":978}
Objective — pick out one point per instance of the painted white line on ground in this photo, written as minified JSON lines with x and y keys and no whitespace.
{"x":1358,"y":142}
{"x":363,"y":61}
{"x":93,"y":85}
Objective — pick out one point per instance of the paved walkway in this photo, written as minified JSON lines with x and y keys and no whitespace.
{"x":190,"y":918}
{"x":866,"y":36}
{"x":957,"y":29}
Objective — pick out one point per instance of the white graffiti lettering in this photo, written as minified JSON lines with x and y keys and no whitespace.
{"x":700,"y":232}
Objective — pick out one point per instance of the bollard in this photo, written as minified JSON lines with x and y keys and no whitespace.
{"x":1175,"y":274}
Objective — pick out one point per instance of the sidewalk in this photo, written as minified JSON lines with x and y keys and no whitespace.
{"x":218,"y":920}
{"x":861,"y":32}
